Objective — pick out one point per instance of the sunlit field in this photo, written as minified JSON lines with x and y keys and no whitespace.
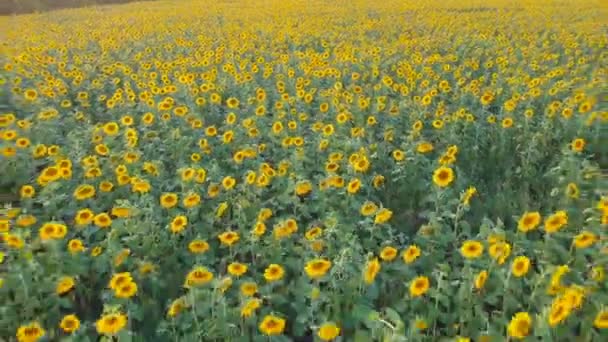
{"x":305,"y":170}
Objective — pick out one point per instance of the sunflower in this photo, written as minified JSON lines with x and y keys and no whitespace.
{"x":424,"y":147}
{"x":102,"y":220}
{"x":371,"y":270}
{"x":232,"y":102}
{"x":574,"y":296}
{"x":26,"y":220}
{"x":578,"y":145}
{"x":388,"y":253}
{"x":419,"y":286}
{"x":213,"y":190}
{"x":237,"y":269}
{"x":96,"y":251}
{"x":500,"y":251}
{"x":560,"y":310}
{"x":168,"y":200}
{"x":328,"y":331}
{"x":31,"y":332}
{"x":27,"y":191}
{"x":471,"y":249}
{"x":303,"y":188}
{"x":178,"y":224}
{"x":126,"y":290}
{"x":362,"y":165}
{"x":30,"y":94}
{"x":556,"y":221}
{"x":249,"y":289}
{"x":353,"y":186}
{"x":47,"y":231}
{"x":272,"y":325}
{"x":198,"y":276}
{"x":507,"y":122}
{"x":221,"y":209}
{"x":229,"y":238}
{"x":119,"y":279}
{"x":13,"y":241}
{"x":69,"y":323}
{"x":65,"y":285}
{"x":176,"y":307}
{"x":313,"y":233}
{"x":110,"y":324}
{"x":378,"y":181}
{"x":420,"y":324}
{"x":398,"y":155}
{"x":597,"y":273}
{"x":520,"y":325}
{"x":121,"y":212}
{"x":572,"y":190}
{"x":259,"y":229}
{"x":84,"y":217}
{"x":411,"y":254}
{"x":191,"y":200}
{"x":75,"y":246}
{"x":228,"y":182}
{"x":443,"y":176}
{"x":317,"y":268}
{"x":469,"y":193}
{"x":528,"y":221}
{"x":584,"y":239}
{"x":274,"y":272}
{"x":250,"y":306}
{"x":480,"y":279}
{"x":520,"y":266}
{"x":198,"y":246}
{"x":383,"y":215}
{"x":84,"y":191}
{"x":601,"y":320}
{"x":102,"y":149}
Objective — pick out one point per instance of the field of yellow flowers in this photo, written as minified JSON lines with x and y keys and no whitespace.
{"x":305,"y":170}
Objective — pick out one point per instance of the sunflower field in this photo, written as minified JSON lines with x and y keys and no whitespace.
{"x":305,"y":171}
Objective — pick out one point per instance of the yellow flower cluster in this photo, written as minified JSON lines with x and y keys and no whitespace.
{"x":336,"y":170}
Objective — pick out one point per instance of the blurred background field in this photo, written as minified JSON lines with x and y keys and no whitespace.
{"x":28,"y":6}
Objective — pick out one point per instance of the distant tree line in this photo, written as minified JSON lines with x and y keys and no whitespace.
{"x":29,"y":6}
